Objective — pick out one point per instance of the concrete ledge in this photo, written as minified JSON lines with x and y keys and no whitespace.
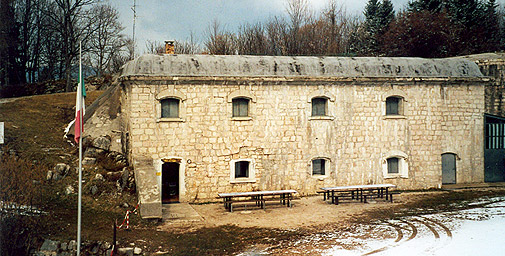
{"x":151,"y":210}
{"x":472,"y":185}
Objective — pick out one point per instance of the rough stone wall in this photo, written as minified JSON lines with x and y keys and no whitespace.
{"x":282,"y":138}
{"x":495,"y":94}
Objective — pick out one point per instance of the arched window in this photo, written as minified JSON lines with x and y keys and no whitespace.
{"x":170,"y":108}
{"x":395,"y":165}
{"x":319,"y":106}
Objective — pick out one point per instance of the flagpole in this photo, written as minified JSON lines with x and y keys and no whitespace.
{"x":79,"y":202}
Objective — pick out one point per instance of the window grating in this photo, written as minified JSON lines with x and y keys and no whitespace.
{"x":495,"y":135}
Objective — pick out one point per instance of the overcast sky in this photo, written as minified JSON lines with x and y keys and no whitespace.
{"x":158,"y":20}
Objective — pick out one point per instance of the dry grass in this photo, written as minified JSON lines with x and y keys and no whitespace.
{"x":34,"y":126}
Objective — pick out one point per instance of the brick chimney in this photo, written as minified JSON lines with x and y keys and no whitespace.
{"x":169,"y":47}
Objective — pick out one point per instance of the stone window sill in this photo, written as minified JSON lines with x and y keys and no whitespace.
{"x":321,"y":118}
{"x":320,"y":177}
{"x":170,"y":119}
{"x":243,"y":180}
{"x":394,"y":117}
{"x":241,"y":118}
{"x":395,"y":176}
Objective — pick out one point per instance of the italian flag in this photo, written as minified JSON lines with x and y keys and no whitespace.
{"x":80,"y":108}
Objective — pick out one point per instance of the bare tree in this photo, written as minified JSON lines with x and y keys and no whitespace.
{"x":107,"y":38}
{"x":123,"y":55}
{"x":299,"y":14}
{"x":155,"y":47}
{"x":187,"y":47}
{"x":220,"y":41}
{"x":10,"y":73}
{"x":73,"y":26}
{"x":252,"y":39}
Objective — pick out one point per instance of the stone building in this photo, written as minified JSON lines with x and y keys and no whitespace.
{"x":197,"y":125}
{"x":493,"y":65}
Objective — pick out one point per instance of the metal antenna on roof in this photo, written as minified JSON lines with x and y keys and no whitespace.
{"x":134,"y":19}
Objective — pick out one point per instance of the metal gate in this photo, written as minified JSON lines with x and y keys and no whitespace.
{"x":494,"y":149}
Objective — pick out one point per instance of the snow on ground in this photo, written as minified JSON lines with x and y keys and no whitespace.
{"x":477,"y":231}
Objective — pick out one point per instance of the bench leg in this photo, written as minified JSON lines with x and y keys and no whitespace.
{"x":364,"y":199}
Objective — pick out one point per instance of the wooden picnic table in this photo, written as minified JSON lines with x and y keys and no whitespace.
{"x":259,"y":197}
{"x":356,"y":191}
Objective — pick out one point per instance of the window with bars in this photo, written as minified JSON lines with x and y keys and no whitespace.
{"x":240,"y":107}
{"x":170,"y":108}
{"x":318,"y":167}
{"x":495,"y":135}
{"x":319,"y":106}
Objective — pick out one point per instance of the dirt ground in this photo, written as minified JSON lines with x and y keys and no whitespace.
{"x":310,"y":226}
{"x":307,"y":212}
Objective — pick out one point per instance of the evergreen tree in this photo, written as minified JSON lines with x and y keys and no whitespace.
{"x":491,"y":26}
{"x":378,"y":16}
{"x":433,"y":6}
{"x":386,"y":15}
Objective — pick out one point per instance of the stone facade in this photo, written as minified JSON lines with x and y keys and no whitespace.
{"x":280,"y":138}
{"x":493,"y":65}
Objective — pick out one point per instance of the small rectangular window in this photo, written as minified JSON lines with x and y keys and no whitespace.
{"x":170,"y":108}
{"x":392,"y":106}
{"x":240,"y":107}
{"x":319,"y":106}
{"x":318,"y":167}
{"x":241,"y":169}
{"x":393,"y":165}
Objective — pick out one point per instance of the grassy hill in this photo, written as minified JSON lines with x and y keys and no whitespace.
{"x":34,"y":126}
{"x":34,"y":144}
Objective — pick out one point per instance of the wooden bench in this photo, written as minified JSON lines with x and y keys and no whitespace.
{"x":260,"y":198}
{"x":361,"y":193}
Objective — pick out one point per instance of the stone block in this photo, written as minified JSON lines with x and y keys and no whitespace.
{"x":50,"y":246}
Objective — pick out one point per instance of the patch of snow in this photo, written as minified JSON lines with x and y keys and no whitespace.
{"x":476,"y":231}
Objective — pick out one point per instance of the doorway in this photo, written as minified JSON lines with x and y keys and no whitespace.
{"x":448,"y":168}
{"x":170,"y":182}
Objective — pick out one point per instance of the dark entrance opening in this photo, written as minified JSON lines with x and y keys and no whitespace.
{"x":448,"y":168}
{"x":170,"y":182}
{"x":494,"y":149}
